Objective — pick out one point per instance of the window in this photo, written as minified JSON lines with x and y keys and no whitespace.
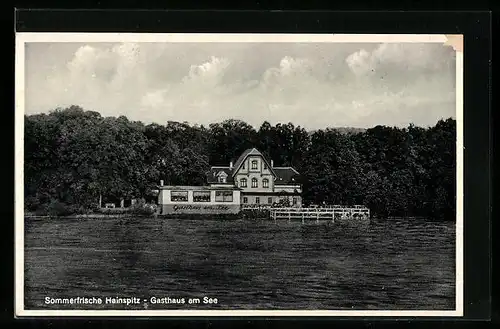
{"x":294,"y":201}
{"x":243,"y":182}
{"x":265,"y":182}
{"x":254,"y":182}
{"x":254,"y":164}
{"x":179,"y":196}
{"x":224,"y":196}
{"x":269,"y":200}
{"x":245,"y":199}
{"x":257,"y":200}
{"x":243,"y":166}
{"x":228,"y":196}
{"x":201,"y":196}
{"x":222,"y":179}
{"x":265,"y":166}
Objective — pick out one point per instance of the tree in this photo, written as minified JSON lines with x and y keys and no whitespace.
{"x":229,"y":139}
{"x":74,"y":156}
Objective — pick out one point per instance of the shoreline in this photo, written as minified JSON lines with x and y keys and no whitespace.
{"x":218,"y":217}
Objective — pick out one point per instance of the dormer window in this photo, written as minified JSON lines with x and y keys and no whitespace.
{"x":254,"y":164}
{"x":222,"y":177}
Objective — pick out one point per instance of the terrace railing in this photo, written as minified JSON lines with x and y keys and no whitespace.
{"x":332,"y":212}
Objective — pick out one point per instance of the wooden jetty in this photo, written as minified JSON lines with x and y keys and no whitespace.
{"x":326,"y":213}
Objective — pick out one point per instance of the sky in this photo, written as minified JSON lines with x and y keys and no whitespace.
{"x":314,"y":85}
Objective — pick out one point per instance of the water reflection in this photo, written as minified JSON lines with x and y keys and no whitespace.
{"x":245,"y":264}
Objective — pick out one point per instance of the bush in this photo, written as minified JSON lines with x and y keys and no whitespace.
{"x":56,"y":208}
{"x":31,"y":203}
{"x":255,"y":213}
{"x":142,"y":208}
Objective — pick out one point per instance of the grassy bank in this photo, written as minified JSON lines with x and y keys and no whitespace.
{"x":58,"y":209}
{"x":130,"y":213}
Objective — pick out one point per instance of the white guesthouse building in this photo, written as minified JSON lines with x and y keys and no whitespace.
{"x":251,"y":181}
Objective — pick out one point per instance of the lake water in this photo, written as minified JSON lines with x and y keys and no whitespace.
{"x":244,"y":264}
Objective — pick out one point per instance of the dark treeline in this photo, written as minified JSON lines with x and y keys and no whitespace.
{"x":73,"y":156}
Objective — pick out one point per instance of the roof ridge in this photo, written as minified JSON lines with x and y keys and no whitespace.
{"x":288,"y":167}
{"x":245,"y":154}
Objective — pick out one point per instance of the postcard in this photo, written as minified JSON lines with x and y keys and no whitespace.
{"x":238,"y":175}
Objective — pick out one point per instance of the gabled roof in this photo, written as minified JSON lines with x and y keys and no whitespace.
{"x":286,"y":176}
{"x":245,"y":154}
{"x":283,"y":175}
{"x":213,"y":178}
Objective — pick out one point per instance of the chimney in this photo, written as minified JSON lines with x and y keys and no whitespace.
{"x":161,"y":182}
{"x":272,"y":164}
{"x":231,"y":165}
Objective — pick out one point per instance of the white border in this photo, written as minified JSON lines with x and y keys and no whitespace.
{"x":459,"y":226}
{"x":229,"y":37}
{"x":22,"y":38}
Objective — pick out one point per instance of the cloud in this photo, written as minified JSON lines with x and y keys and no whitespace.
{"x":313,"y":85}
{"x":399,"y":56}
{"x":361,"y":62}
{"x":211,"y":70}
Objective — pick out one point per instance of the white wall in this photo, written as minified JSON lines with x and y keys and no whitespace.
{"x":287,"y":188}
{"x":260,"y":174}
{"x":260,"y":177}
{"x":264,"y":199}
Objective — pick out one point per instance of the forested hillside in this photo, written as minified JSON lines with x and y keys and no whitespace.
{"x":72,"y":156}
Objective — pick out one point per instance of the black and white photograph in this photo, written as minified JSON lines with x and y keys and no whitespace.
{"x":239,"y":174}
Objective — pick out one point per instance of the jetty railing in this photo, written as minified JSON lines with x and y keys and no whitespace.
{"x":330,"y":213}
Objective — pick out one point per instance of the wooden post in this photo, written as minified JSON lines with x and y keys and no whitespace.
{"x":100,"y":200}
